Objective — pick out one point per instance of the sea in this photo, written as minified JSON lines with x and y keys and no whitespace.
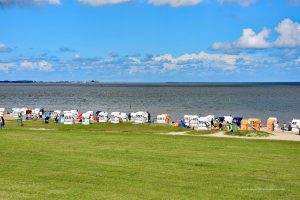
{"x":260,"y":100}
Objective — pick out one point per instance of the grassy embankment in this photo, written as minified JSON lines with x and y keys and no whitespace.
{"x":124,"y":161}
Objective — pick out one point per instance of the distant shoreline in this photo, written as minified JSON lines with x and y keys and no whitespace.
{"x":178,"y":84}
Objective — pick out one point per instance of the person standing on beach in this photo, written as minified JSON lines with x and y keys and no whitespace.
{"x":129,"y":116}
{"x":273,"y":126}
{"x":56,"y":118}
{"x":149,"y":117}
{"x":41,"y":113}
{"x":290,"y":127}
{"x":2,"y":122}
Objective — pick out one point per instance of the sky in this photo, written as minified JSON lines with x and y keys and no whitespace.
{"x":150,"y":40}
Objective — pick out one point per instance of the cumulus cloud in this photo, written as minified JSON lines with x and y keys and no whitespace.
{"x":41,"y":65}
{"x":193,"y":63}
{"x":248,"y":40}
{"x":172,"y":3}
{"x":288,"y":37}
{"x":175,"y":3}
{"x":189,"y":65}
{"x":221,"y":61}
{"x":243,"y":3}
{"x":102,"y":2}
{"x":4,"y":48}
{"x":6,"y":66}
{"x":24,"y":3}
{"x":289,"y":34}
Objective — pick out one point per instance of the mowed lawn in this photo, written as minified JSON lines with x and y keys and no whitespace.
{"x":125,"y":161}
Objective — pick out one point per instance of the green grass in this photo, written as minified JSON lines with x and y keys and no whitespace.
{"x":249,"y":133}
{"x":124,"y":161}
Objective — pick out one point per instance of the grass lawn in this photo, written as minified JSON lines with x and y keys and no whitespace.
{"x":124,"y":161}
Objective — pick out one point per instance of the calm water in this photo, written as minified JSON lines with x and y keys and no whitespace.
{"x":282,"y":101}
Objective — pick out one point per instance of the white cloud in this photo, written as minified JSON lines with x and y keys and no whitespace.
{"x":249,"y":40}
{"x":223,"y":61}
{"x":172,"y":3}
{"x":190,"y":64}
{"x":76,"y":56}
{"x":41,"y":65}
{"x":175,"y":3}
{"x":136,"y":69}
{"x":4,"y":48}
{"x":289,"y":34}
{"x":102,"y":2}
{"x":55,"y":2}
{"x":23,"y":3}
{"x":244,"y":3}
{"x":6,"y":66}
{"x":178,"y":3}
{"x":288,"y":37}
{"x":134,"y":60}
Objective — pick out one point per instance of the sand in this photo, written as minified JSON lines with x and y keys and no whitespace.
{"x":288,"y":136}
{"x":275,"y":136}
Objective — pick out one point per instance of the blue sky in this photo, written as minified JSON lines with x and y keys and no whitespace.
{"x":150,"y":40}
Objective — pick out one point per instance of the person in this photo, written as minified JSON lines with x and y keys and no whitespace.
{"x":2,"y":122}
{"x":47,"y":119}
{"x":129,"y":116}
{"x":290,"y":127}
{"x":56,"y":118}
{"x":273,"y":126}
{"x":40,"y":114}
{"x":149,"y":117}
{"x":212,"y":123}
{"x":220,"y":126}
